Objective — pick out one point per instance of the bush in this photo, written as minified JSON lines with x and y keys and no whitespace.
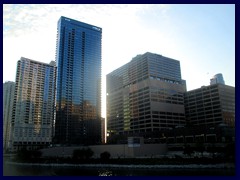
{"x":229,"y":150}
{"x":27,"y":155}
{"x":105,"y":155}
{"x":23,"y":155}
{"x":82,"y":153}
{"x":36,"y":153}
{"x":188,"y":150}
{"x":200,"y":147}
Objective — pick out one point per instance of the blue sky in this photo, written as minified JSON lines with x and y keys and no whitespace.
{"x":201,"y":37}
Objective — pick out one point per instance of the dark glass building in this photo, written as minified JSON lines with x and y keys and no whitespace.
{"x":144,"y":97}
{"x":78,"y":103}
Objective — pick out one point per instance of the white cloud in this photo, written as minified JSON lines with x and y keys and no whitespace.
{"x":128,"y":30}
{"x":30,"y":31}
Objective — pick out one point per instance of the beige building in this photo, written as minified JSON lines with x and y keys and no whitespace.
{"x":145,"y":96}
{"x":211,"y":105}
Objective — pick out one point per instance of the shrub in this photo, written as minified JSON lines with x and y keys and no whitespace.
{"x":36,"y":153}
{"x":105,"y":155}
{"x":188,"y":150}
{"x":82,"y":153}
{"x":26,"y":155}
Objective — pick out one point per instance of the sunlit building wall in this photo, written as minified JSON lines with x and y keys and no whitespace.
{"x":145,"y":96}
{"x":34,"y":103}
{"x":78,"y":100}
{"x":211,"y":105}
{"x":103,"y":130}
{"x":8,"y":96}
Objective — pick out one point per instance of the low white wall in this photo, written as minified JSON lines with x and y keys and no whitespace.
{"x":118,"y":150}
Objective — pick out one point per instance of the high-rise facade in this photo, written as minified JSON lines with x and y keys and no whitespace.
{"x":217,"y":79}
{"x":8,"y":96}
{"x":34,"y":103}
{"x":145,"y":96}
{"x":78,"y":100}
{"x":211,"y":105}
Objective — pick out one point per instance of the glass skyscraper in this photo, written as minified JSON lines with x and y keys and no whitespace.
{"x":217,"y":79}
{"x":78,"y":103}
{"x":144,"y":97}
{"x":33,"y":105}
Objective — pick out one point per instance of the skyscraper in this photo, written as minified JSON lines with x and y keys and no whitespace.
{"x":217,"y":79}
{"x":34,"y":103}
{"x":8,"y":96}
{"x":145,"y":96}
{"x":78,"y":108}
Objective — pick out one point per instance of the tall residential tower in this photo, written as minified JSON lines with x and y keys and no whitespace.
{"x":34,"y":103}
{"x":8,"y":96}
{"x":78,"y":103}
{"x":144,"y":97}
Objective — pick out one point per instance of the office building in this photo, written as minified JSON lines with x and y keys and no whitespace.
{"x":78,"y":102}
{"x":211,"y":105}
{"x":34,"y":103}
{"x":217,"y":79}
{"x":144,"y":97}
{"x":8,"y":96}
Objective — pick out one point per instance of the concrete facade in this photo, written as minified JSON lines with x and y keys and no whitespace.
{"x":8,"y":96}
{"x":33,"y":105}
{"x":211,"y":105}
{"x":145,"y":96}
